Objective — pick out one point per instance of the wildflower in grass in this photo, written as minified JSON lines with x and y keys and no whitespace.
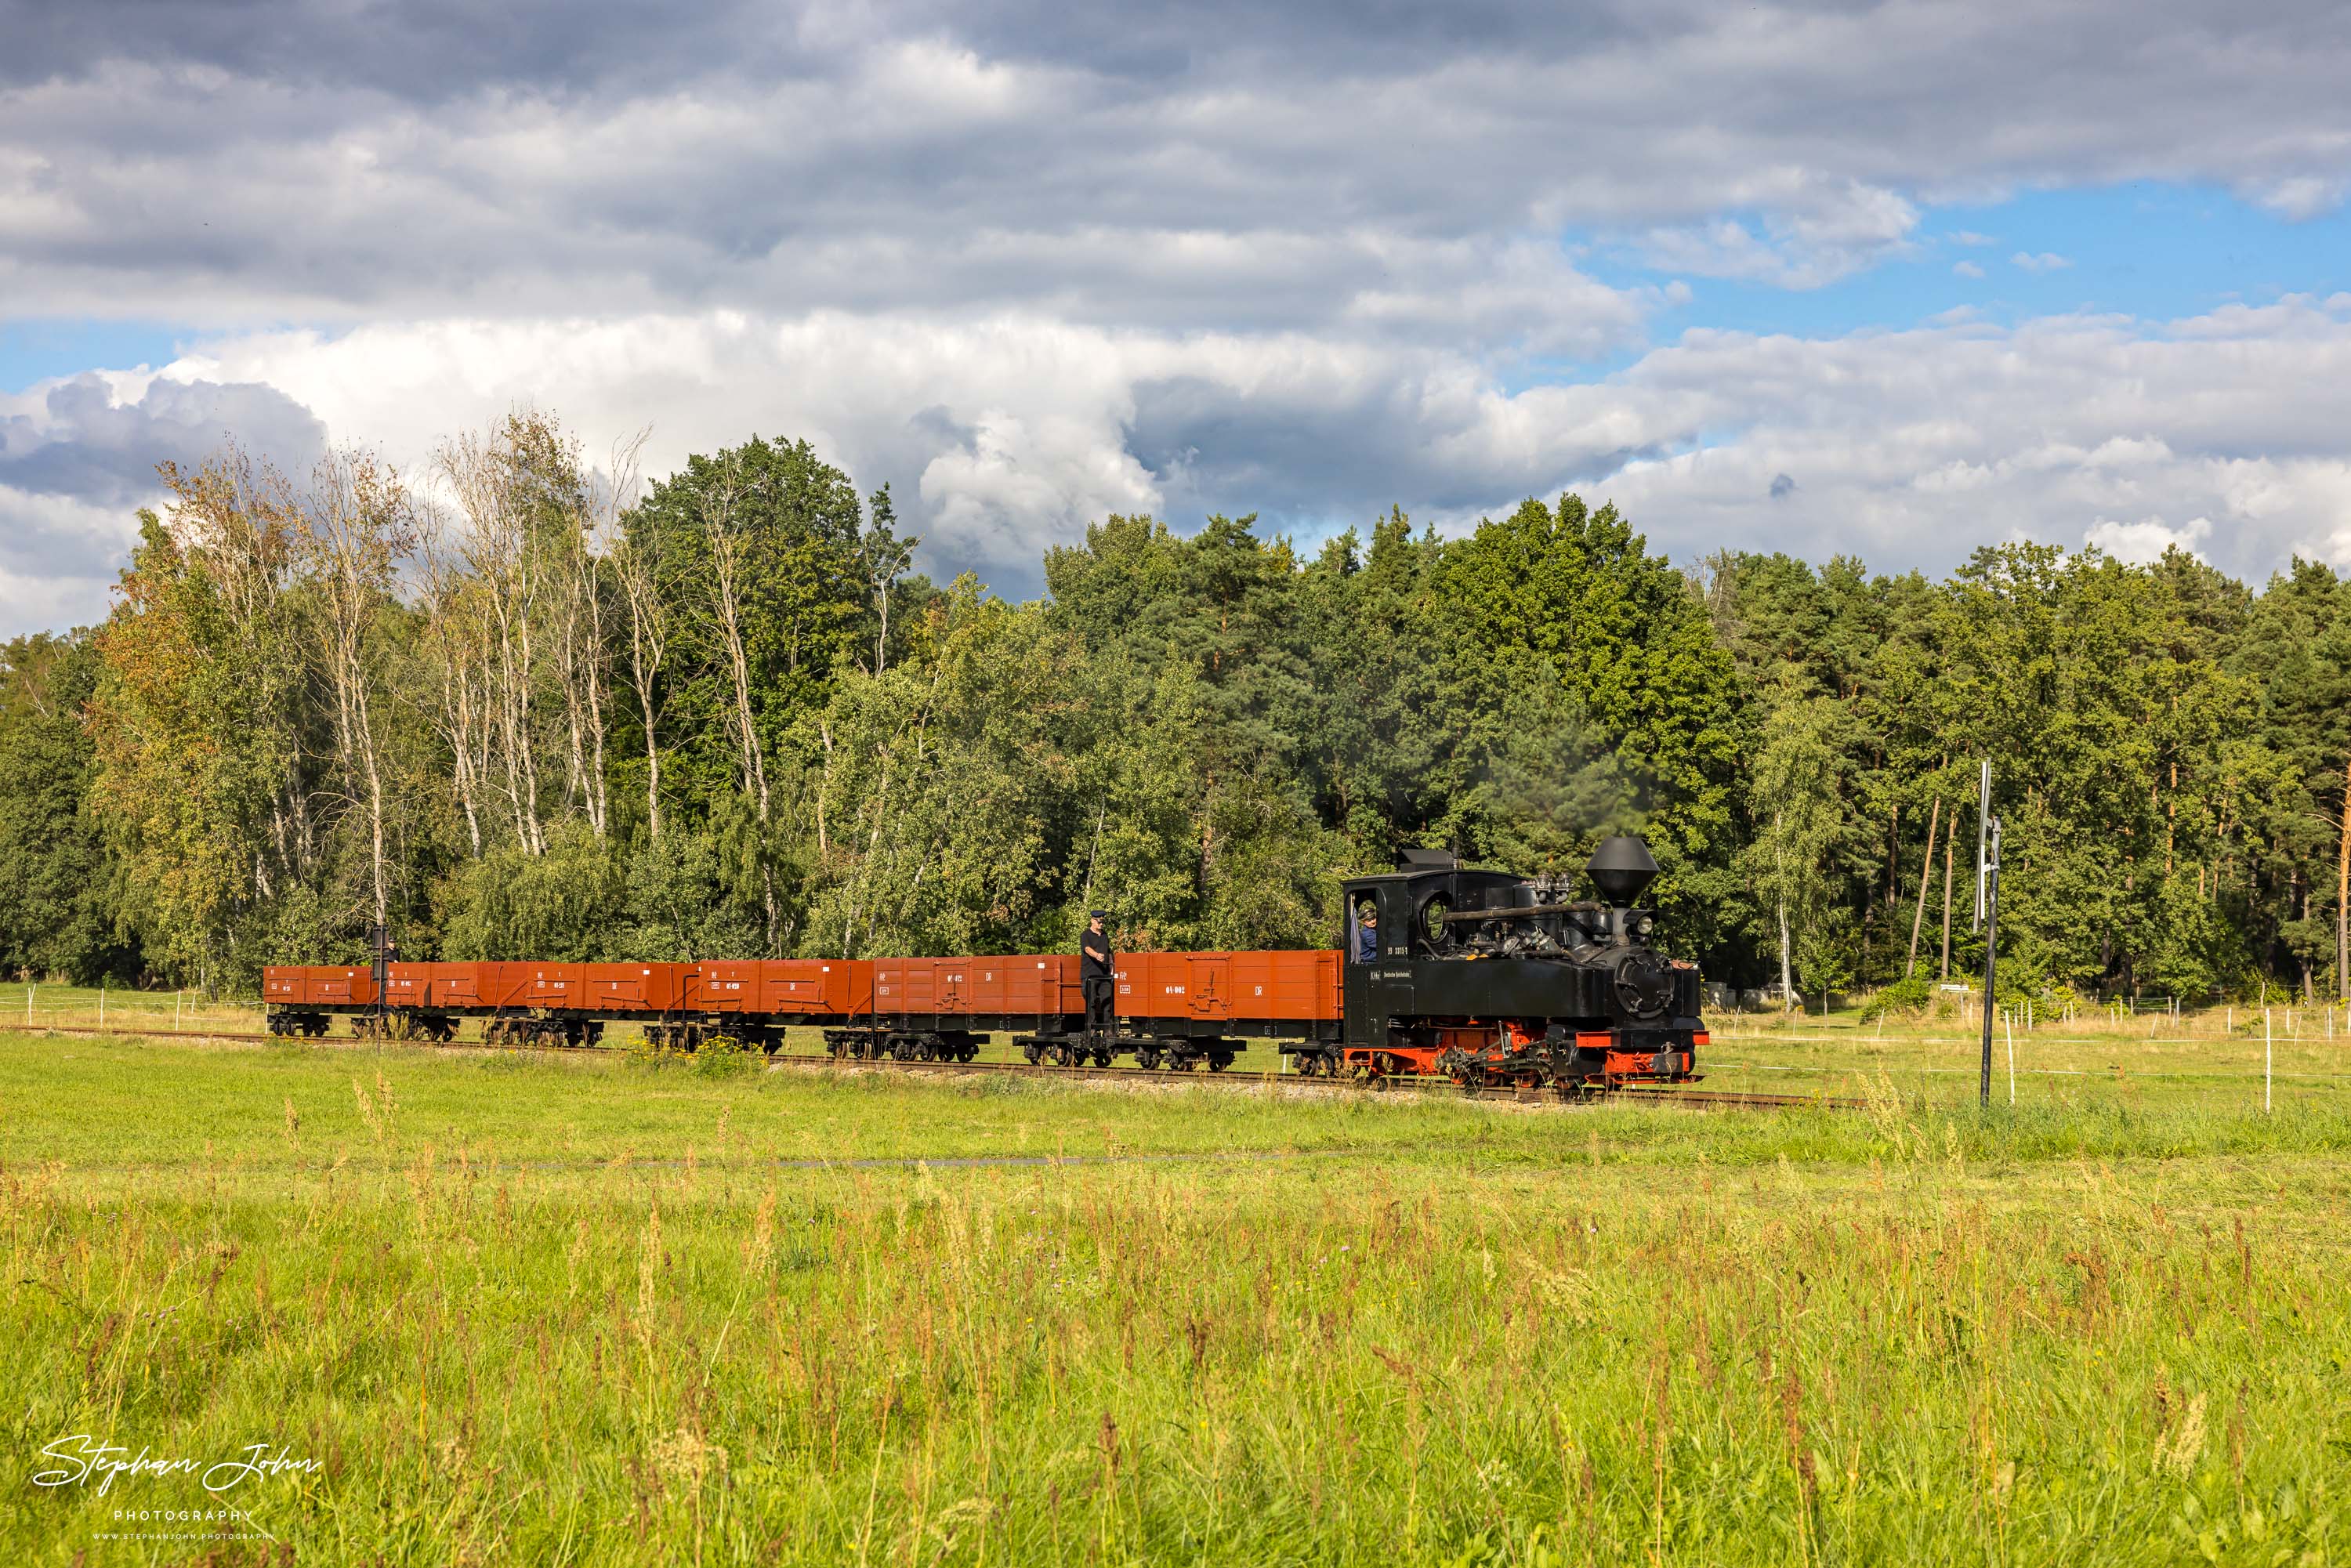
{"x":2176,"y":1452}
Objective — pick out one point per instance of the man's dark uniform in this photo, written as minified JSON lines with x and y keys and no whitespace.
{"x":1094,"y":976}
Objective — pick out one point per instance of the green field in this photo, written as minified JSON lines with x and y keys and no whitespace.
{"x":573,"y":1307}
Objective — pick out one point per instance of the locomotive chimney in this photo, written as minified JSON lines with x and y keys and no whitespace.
{"x":1622,"y":868}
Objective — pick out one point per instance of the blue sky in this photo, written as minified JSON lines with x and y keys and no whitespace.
{"x":1750,"y":270}
{"x":2152,"y":251}
{"x":36,"y":349}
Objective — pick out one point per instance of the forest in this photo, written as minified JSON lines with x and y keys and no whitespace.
{"x":515,"y":704}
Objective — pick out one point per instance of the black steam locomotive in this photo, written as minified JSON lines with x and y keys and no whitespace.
{"x":1484,"y":978}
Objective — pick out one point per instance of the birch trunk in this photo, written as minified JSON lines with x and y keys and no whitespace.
{"x":1950,"y":837}
{"x":1926,"y":875}
{"x":648,"y":645}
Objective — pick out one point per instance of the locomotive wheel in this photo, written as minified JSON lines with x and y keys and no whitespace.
{"x":1102,"y":1057}
{"x":1031,"y":1054}
{"x":1148,"y":1058}
{"x":1219,"y":1062}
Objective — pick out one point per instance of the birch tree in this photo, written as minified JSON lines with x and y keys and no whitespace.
{"x":357,"y":526}
{"x":1798,"y":817}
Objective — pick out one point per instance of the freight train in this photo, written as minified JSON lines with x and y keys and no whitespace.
{"x":1476,"y":975}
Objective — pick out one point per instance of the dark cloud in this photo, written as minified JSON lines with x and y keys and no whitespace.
{"x":85,"y":445}
{"x":1228,"y":165}
{"x":422,"y":51}
{"x":75,"y":465}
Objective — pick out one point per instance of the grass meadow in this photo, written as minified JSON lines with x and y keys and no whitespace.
{"x":580,"y":1307}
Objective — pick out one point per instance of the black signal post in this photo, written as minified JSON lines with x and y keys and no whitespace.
{"x":1992,"y":957}
{"x":386,"y":949}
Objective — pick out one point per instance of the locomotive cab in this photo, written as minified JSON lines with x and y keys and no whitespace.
{"x":1485,"y":977}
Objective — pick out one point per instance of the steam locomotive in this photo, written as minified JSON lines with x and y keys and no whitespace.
{"x":1475,"y":975}
{"x":1491,"y":978}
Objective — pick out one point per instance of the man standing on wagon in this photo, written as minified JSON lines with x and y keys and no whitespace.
{"x":1094,"y":975}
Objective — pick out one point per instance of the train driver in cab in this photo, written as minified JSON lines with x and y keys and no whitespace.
{"x":1094,"y":975}
{"x":1367,"y":934}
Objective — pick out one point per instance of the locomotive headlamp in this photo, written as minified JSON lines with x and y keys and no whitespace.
{"x":1641,"y":925}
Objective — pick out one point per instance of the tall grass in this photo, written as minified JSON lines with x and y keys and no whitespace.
{"x":548,"y":1311}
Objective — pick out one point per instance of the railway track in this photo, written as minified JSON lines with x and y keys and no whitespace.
{"x":1314,"y":1087}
